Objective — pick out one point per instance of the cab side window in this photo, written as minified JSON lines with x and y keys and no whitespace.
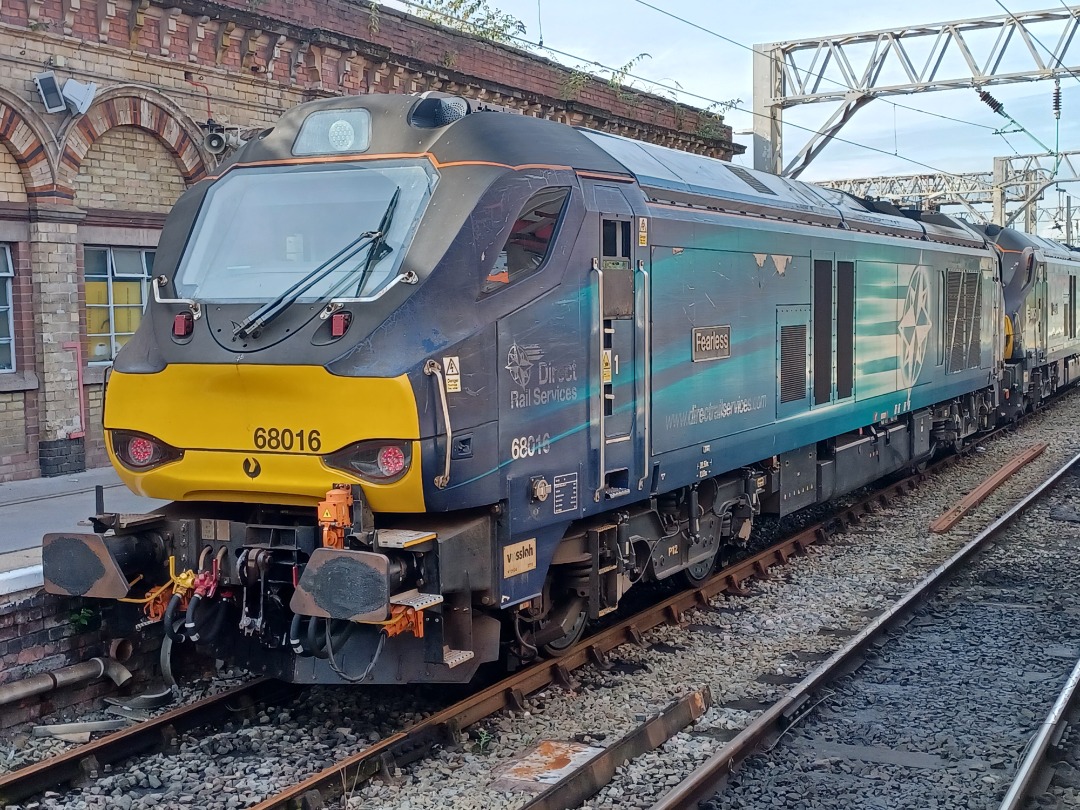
{"x":529,"y":240}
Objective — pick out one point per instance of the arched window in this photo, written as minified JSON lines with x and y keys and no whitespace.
{"x":529,"y":241}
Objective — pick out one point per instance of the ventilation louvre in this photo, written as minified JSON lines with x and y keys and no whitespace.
{"x":823,"y":330}
{"x":750,"y":180}
{"x":963,"y":320}
{"x":792,"y":363}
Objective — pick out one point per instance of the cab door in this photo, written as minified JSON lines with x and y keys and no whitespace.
{"x":618,"y":422}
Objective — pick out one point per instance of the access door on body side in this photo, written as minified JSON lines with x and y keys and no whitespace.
{"x":621,"y":304}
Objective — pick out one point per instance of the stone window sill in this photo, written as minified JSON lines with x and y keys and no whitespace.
{"x":95,"y":375}
{"x":18,"y":381}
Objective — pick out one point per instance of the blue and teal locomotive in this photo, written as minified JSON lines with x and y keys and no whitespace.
{"x":430,"y":383}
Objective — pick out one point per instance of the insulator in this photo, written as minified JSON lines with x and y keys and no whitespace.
{"x":991,"y":102}
{"x":1057,"y":98}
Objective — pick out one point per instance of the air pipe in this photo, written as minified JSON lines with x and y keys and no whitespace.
{"x":65,"y":676}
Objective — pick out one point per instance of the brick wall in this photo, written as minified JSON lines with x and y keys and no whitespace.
{"x":95,"y":434}
{"x":12,"y":426}
{"x":12,"y":189}
{"x":53,"y":251}
{"x":165,"y":66}
{"x":18,"y":390}
{"x":128,"y":170}
{"x":40,"y":632}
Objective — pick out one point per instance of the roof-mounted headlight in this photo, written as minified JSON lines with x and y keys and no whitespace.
{"x":334,"y":132}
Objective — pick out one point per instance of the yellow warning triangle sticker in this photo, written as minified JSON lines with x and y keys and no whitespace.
{"x":452,"y":366}
{"x":326,"y":515}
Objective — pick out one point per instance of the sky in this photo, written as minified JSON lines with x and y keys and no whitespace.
{"x":613,"y":32}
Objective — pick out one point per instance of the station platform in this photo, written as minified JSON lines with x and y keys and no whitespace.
{"x":30,"y":509}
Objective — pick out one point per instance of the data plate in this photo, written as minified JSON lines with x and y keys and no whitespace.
{"x":519,"y":558}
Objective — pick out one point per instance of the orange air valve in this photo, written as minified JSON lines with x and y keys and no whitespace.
{"x":335,"y":515}
{"x":404,"y":618}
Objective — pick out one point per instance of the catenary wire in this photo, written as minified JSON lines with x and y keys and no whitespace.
{"x":1038,"y":41}
{"x":718,"y":35}
{"x":698,"y":96}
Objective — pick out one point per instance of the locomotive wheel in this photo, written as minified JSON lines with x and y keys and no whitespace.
{"x":697,"y":573}
{"x":556,"y":648}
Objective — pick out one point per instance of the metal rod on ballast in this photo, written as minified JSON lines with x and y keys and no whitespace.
{"x":1030,"y":766}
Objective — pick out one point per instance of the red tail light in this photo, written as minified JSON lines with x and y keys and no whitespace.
{"x":391,"y":460}
{"x":140,"y":450}
{"x":379,"y":461}
{"x":137,"y":451}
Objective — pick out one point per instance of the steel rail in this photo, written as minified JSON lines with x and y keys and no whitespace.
{"x":155,"y":733}
{"x":590,"y":777}
{"x":706,"y":779}
{"x":412,"y":743}
{"x":1033,"y":762}
{"x":983,"y":491}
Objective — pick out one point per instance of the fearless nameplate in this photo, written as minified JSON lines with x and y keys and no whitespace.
{"x":711,"y":343}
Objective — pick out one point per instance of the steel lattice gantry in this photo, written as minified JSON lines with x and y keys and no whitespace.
{"x":1015,"y":179}
{"x":854,"y":69}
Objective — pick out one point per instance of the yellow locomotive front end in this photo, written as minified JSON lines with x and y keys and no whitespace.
{"x":264,"y":434}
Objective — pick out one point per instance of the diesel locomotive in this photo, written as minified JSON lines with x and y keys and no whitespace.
{"x":430,"y":384}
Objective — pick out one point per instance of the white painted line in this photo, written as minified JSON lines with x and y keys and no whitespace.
{"x":21,"y":579}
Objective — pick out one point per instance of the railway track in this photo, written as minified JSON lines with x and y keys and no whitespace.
{"x":1051,"y":755}
{"x":396,"y":750}
{"x":85,"y":763}
{"x":836,"y":729}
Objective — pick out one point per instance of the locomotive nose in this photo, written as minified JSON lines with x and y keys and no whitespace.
{"x":285,"y":446}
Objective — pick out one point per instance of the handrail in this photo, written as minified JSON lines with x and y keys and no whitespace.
{"x":600,"y":375}
{"x":432,"y":367}
{"x":408,"y":277}
{"x":160,"y":281}
{"x":646,"y":365}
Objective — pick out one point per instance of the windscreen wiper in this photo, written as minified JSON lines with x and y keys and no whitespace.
{"x":271,"y":309}
{"x":379,"y":249}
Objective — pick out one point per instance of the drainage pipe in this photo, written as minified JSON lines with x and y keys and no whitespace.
{"x":65,"y":676}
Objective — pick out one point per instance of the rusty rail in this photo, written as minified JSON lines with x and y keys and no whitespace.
{"x":708,"y":778}
{"x":413,"y":743}
{"x":154,"y":734}
{"x":585,"y":781}
{"x":950,"y":518}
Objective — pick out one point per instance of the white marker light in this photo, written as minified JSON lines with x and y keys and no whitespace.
{"x":342,"y":135}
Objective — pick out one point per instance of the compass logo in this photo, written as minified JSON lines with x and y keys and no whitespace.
{"x":914,"y":327}
{"x":520,"y":361}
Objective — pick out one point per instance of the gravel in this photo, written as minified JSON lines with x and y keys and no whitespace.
{"x":748,"y":650}
{"x":18,"y":749}
{"x":941,"y":716}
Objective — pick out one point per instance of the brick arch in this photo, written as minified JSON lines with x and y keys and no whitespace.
{"x":24,"y":135}
{"x":132,"y":106}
